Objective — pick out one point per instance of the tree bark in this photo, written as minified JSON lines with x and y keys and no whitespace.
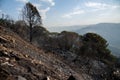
{"x":31,"y":32}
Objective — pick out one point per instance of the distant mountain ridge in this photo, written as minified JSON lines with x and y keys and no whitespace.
{"x":65,"y":28}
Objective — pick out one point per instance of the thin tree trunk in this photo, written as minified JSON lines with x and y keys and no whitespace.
{"x":30,"y":32}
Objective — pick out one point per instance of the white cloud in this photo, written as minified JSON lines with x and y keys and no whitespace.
{"x":44,"y":12}
{"x":69,"y":15}
{"x":114,"y":7}
{"x":23,"y":1}
{"x":49,"y":1}
{"x":100,"y":6}
{"x":76,"y":11}
{"x":37,"y":5}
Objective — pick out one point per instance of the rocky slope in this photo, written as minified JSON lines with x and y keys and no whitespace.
{"x":20,"y":60}
{"x":58,"y":60}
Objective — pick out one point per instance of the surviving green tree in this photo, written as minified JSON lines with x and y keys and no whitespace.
{"x":95,"y":46}
{"x":31,"y":16}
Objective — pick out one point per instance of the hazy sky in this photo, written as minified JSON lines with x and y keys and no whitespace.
{"x":67,"y":12}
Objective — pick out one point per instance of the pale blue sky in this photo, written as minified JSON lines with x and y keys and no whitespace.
{"x":67,"y":12}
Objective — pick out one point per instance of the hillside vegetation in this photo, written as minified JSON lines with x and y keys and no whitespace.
{"x":28,"y":51}
{"x":54,"y":56}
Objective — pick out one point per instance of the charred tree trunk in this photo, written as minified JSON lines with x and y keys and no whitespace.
{"x":31,"y":32}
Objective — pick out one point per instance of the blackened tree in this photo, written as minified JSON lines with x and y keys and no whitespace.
{"x":31,"y":16}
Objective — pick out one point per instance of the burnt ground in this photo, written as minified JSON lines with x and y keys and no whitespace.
{"x":20,"y":60}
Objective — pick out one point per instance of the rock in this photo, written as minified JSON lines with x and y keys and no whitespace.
{"x":26,"y":56}
{"x":6,"y":63}
{"x":117,"y":74}
{"x":3,"y":54}
{"x":21,"y":78}
{"x":7,"y":59}
{"x":46,"y":78}
{"x":2,"y":40}
{"x":6,"y":53}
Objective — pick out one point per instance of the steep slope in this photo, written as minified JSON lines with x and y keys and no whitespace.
{"x":20,"y":60}
{"x":72,"y":57}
